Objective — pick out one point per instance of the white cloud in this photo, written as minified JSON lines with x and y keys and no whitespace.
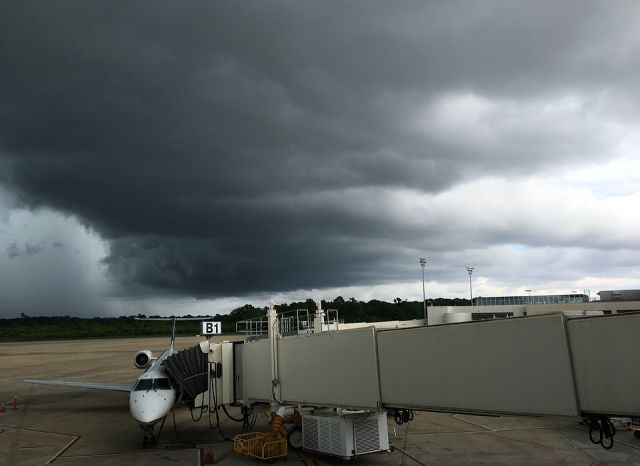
{"x":519,"y":136}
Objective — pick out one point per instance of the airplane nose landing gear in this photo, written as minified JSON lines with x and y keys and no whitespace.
{"x":151,"y":437}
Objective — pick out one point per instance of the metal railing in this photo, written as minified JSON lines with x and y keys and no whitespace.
{"x":295,"y":322}
{"x":256,"y":327}
{"x":332,"y":324}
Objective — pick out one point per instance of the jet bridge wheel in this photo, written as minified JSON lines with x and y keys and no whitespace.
{"x":294,"y":438}
{"x":636,"y":434}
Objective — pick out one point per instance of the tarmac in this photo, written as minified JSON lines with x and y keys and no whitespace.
{"x":72,"y":427}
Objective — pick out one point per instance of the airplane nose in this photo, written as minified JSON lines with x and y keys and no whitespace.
{"x":148,"y":407}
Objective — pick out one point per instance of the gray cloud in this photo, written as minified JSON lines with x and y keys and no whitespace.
{"x":226,"y":148}
{"x":28,"y":249}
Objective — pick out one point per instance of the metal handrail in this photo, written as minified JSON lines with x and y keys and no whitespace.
{"x":253,"y":327}
{"x":295,"y":322}
{"x":335,"y":321}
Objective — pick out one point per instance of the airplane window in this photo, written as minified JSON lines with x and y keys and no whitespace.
{"x":162,"y":384}
{"x":144,"y":384}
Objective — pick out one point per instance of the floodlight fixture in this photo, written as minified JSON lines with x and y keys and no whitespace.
{"x":470,"y":271}
{"x":423,"y":264}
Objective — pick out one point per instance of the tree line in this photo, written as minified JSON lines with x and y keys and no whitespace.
{"x":26,"y":328}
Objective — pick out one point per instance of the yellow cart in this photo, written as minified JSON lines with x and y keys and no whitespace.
{"x":260,"y":446}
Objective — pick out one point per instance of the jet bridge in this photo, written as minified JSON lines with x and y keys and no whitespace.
{"x":543,"y":365}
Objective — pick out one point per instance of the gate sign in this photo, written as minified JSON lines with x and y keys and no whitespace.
{"x":211,"y":328}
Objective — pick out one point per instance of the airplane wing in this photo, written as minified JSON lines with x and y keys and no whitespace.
{"x":118,"y":387}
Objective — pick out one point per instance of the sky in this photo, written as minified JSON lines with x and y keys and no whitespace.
{"x":169,"y":158}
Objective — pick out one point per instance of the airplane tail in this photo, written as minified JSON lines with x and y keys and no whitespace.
{"x":173,"y":319}
{"x":173,"y":334}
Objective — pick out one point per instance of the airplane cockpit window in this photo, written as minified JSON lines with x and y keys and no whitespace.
{"x":153,"y":384}
{"x":162,"y":384}
{"x":144,"y":384}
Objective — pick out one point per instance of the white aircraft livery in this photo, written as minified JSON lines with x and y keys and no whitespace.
{"x":151,"y":397}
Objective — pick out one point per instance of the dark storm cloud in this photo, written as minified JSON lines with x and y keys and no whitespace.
{"x":227,"y":147}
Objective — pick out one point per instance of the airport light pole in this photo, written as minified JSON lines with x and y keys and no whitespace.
{"x":529,"y":292}
{"x":470,"y":271}
{"x":423,"y":263}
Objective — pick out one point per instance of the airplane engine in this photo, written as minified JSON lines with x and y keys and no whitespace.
{"x":143,"y":359}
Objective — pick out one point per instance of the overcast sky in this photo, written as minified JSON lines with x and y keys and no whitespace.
{"x":165,"y":157}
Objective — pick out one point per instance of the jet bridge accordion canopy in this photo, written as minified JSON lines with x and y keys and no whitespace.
{"x":189,"y":370}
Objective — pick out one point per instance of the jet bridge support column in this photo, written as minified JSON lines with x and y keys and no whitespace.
{"x":319,"y":318}
{"x":274,"y":334}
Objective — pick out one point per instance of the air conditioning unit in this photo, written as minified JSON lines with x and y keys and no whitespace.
{"x":346,"y":433}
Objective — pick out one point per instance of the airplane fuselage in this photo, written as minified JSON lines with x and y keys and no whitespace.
{"x":152,"y":396}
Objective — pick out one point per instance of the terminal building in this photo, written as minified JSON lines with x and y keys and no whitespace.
{"x":571,"y":305}
{"x":620,"y":295}
{"x":536,"y":299}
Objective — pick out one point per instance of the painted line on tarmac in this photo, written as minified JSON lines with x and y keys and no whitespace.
{"x":563,"y":426}
{"x":409,"y":455}
{"x":492,"y":431}
{"x":65,"y":448}
{"x":122,"y":453}
{"x":455,"y":416}
{"x":419,"y":434}
{"x":36,"y":430}
{"x":508,"y":429}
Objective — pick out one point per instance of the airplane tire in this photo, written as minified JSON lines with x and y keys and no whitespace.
{"x":149,"y":440}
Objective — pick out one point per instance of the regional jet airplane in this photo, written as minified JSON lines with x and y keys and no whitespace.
{"x":151,"y":397}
